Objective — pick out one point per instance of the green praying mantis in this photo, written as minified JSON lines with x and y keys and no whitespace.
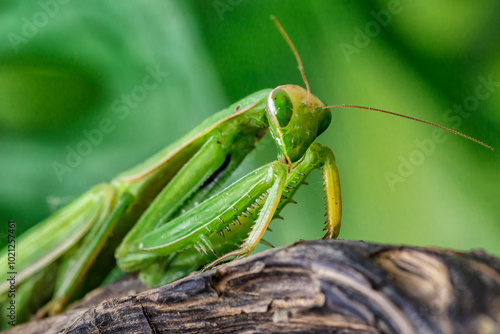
{"x":168,"y":216}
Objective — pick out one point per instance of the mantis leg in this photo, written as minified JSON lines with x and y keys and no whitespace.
{"x":217,"y":226}
{"x":58,"y":233}
{"x":40,"y":285}
{"x":39,"y":267}
{"x":277,"y":173}
{"x":332,"y":194}
{"x":316,"y":157}
{"x":211,"y":160}
{"x":75,"y":264}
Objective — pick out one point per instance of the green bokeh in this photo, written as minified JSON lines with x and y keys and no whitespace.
{"x":421,"y":60}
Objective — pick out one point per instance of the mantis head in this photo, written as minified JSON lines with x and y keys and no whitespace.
{"x":296,"y":118}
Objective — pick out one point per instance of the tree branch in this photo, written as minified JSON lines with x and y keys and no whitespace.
{"x":315,"y":287}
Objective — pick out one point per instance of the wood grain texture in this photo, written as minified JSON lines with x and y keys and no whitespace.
{"x":321,"y":286}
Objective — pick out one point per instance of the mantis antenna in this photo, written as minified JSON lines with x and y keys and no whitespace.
{"x":301,"y":68}
{"x":413,"y":119}
{"x":294,"y":50}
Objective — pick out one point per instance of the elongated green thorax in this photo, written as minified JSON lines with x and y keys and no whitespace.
{"x":295,"y":122}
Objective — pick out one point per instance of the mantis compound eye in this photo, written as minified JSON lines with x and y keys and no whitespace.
{"x":281,"y":108}
{"x":325,"y":117}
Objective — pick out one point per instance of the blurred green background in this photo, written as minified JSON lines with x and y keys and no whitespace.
{"x":65,"y":66}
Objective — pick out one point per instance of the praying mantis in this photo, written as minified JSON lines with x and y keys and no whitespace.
{"x":168,"y":216}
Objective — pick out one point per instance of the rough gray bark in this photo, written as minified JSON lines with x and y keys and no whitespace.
{"x":322,"y":286}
